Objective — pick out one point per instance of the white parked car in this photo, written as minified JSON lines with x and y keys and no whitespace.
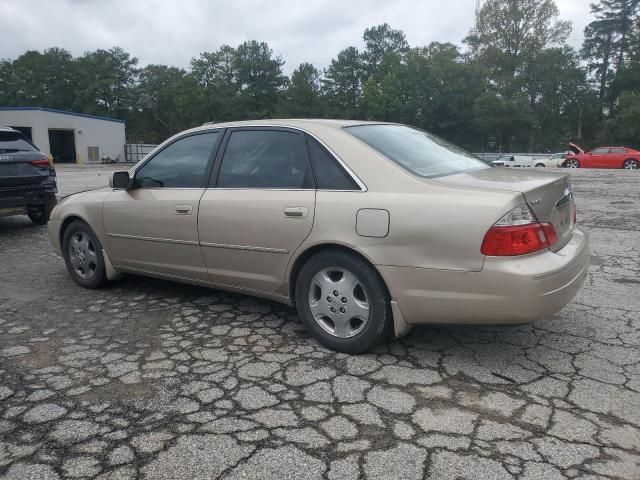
{"x":513,"y":161}
{"x":555,"y":161}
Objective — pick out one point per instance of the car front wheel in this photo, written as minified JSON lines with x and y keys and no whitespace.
{"x":343,"y":302}
{"x":540,"y":165}
{"x":573,"y":163}
{"x":82,"y":253}
{"x":630,"y":164}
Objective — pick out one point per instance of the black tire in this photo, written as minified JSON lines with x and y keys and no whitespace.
{"x":572,"y":163}
{"x":540,"y":165}
{"x":95,"y":276}
{"x":39,"y":214}
{"x":380,"y":321}
{"x":630,"y":164}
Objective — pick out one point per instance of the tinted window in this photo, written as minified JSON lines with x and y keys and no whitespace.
{"x":329,"y":174}
{"x":180,"y":165}
{"x":600,"y":151}
{"x":617,"y":150}
{"x":419,"y":152}
{"x":14,"y":142}
{"x":265,"y":159}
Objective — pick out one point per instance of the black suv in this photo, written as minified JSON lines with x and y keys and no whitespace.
{"x":27,"y":178}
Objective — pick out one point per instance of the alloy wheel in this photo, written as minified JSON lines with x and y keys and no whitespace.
{"x":573,"y":164}
{"x":83,"y":255}
{"x":339,"y":302}
{"x":630,"y":165}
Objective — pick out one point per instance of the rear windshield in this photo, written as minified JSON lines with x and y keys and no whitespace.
{"x":419,"y":152}
{"x":14,"y":142}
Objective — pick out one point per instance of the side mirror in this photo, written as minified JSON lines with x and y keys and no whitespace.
{"x":120,"y":180}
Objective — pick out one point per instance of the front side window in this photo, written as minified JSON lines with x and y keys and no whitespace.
{"x":419,"y":152}
{"x":600,"y":151}
{"x":11,"y":142}
{"x":265,"y":159}
{"x":328,"y":172}
{"x":180,"y":165}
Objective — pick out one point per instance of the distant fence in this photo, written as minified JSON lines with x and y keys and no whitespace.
{"x":490,"y":157}
{"x":134,"y":152}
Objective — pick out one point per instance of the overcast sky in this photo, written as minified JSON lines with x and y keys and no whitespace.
{"x":171,"y":32}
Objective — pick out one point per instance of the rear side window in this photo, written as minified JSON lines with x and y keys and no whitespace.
{"x":419,"y":152}
{"x":600,"y":151}
{"x":180,"y":165}
{"x":14,"y":142}
{"x":265,"y":159}
{"x":617,"y":150}
{"x":329,"y":174}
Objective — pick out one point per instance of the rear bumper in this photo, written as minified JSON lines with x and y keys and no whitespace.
{"x":511,"y":290}
{"x":15,"y":198}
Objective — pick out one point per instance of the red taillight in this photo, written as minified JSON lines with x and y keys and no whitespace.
{"x":517,"y":233}
{"x":514,"y":240}
{"x":42,"y":163}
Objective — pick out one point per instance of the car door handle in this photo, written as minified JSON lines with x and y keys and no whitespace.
{"x":183,"y":209}
{"x":296,"y":212}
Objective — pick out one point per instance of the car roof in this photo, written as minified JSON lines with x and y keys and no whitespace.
{"x":302,"y":123}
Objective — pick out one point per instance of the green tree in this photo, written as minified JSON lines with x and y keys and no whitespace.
{"x":215,"y":73}
{"x":106,"y":82}
{"x":302,"y":97}
{"x":342,"y":84}
{"x":47,"y":79}
{"x":381,"y":42}
{"x":259,"y":78}
{"x":607,"y":44}
{"x":508,"y":35}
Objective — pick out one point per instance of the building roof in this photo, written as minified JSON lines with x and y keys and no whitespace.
{"x":63,"y":112}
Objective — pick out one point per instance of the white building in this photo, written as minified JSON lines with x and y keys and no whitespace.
{"x":68,"y":136}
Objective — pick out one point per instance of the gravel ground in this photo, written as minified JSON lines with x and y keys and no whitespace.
{"x":153,"y":379}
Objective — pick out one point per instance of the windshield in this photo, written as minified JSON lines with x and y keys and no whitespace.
{"x":419,"y":152}
{"x":14,"y":142}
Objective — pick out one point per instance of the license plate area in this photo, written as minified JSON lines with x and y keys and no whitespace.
{"x":7,"y":169}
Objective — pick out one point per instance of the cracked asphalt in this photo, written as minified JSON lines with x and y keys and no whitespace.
{"x":151,"y":379}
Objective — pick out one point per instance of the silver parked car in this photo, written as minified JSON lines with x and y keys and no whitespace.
{"x":367,"y":228}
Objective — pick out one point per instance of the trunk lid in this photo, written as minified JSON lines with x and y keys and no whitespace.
{"x":16,"y":169}
{"x":547,"y":194}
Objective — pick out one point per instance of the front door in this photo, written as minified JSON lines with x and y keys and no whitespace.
{"x":597,"y":158}
{"x":259,"y":210}
{"x":153,"y":227}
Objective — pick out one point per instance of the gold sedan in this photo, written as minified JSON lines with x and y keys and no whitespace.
{"x":367,"y":228}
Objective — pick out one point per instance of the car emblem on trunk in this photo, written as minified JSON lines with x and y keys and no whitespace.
{"x":6,"y":158}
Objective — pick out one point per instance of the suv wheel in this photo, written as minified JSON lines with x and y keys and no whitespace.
{"x":82,"y":253}
{"x":39,"y":214}
{"x":343,"y":302}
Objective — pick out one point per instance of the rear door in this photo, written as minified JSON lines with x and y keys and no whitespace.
{"x":153,"y":227}
{"x":259,"y":209}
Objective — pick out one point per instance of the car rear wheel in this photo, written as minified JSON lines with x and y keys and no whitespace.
{"x":630,"y":164}
{"x":343,"y":302}
{"x":540,"y":165}
{"x":573,"y":163}
{"x":82,"y":253}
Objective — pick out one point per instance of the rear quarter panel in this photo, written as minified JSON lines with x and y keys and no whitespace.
{"x":435,"y":227}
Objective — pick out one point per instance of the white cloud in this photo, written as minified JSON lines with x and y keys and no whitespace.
{"x":173,"y":31}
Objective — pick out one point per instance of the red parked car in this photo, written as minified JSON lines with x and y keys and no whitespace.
{"x":602,"y":157}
